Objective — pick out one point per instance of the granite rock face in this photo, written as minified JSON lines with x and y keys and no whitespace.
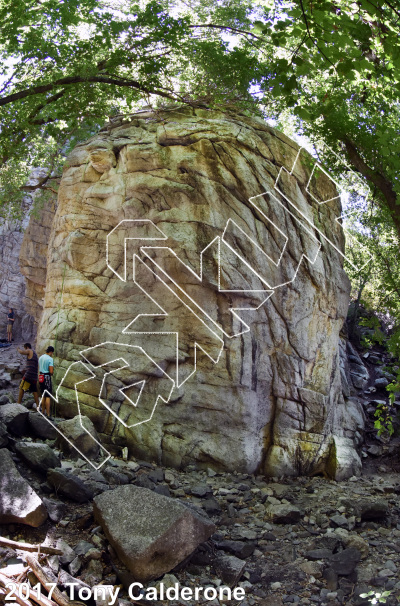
{"x":12,"y":283}
{"x":33,"y":258}
{"x":160,"y":362}
{"x":23,"y":261}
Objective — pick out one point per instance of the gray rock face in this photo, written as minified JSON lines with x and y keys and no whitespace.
{"x":23,"y":260}
{"x":198,"y":177}
{"x":69,"y":485}
{"x":15,"y":418}
{"x":79,"y":431}
{"x":12,"y":283}
{"x":359,"y":374}
{"x":38,"y":456}
{"x":18,"y":501}
{"x":150,"y":533}
{"x":33,"y":257}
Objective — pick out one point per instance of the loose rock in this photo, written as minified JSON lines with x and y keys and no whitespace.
{"x":69,"y":485}
{"x":41,"y":427}
{"x":81,"y":432}
{"x":39,"y":457}
{"x":229,"y":568}
{"x":283,"y":514}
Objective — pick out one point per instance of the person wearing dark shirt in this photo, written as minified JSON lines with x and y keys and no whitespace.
{"x":29,"y":380}
{"x":10,"y":323}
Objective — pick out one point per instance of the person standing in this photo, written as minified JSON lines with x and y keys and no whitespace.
{"x":46,"y":369}
{"x":30,"y":378}
{"x":10,"y":324}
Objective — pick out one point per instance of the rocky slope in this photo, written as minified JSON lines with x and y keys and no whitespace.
{"x":303,"y":541}
{"x":268,"y":398}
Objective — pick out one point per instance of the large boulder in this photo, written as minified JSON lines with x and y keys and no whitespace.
{"x":229,"y":196}
{"x":69,"y":485}
{"x":79,"y":432}
{"x":41,"y":427}
{"x":150,"y":533}
{"x":15,"y":418}
{"x":18,"y":501}
{"x":38,"y":456}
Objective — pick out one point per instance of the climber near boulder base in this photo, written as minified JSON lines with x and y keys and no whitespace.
{"x":29,"y":380}
{"x":10,"y":324}
{"x":46,"y":369}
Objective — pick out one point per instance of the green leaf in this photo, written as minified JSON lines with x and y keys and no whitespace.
{"x":302,"y":113}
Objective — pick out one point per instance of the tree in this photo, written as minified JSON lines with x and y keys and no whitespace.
{"x":334,"y":64}
{"x":67,"y":65}
{"x":339,"y":72}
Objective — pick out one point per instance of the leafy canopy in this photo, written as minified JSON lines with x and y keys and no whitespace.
{"x":333,"y":65}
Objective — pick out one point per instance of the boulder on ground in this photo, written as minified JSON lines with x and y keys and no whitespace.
{"x":15,"y":418}
{"x":343,"y":459}
{"x":81,"y":433}
{"x":39,"y":457}
{"x":283,"y":513}
{"x":229,"y":568}
{"x":344,"y":562}
{"x":372,"y":510}
{"x":68,"y":485}
{"x":41,"y":427}
{"x":18,"y":501}
{"x":150,"y":533}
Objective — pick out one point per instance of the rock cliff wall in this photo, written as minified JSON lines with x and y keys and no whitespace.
{"x":201,"y":383}
{"x":23,"y":261}
{"x":12,"y":282}
{"x":33,"y":258}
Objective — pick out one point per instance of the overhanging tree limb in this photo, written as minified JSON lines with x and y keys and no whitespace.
{"x":71,"y":80}
{"x":376,"y":178}
{"x":227,"y":28}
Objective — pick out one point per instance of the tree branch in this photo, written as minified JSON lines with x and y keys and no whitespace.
{"x":389,"y":5}
{"x":71,"y":80}
{"x":384,"y":186}
{"x":227,"y":28}
{"x":48,"y":101}
{"x":28,"y":547}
